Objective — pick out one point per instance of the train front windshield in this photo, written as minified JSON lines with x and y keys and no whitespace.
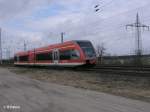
{"x":88,"y":49}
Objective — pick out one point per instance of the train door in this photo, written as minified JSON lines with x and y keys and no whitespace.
{"x":31,"y":58}
{"x":55,"y":56}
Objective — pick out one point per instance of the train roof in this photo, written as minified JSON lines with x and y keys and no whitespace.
{"x":51,"y":46}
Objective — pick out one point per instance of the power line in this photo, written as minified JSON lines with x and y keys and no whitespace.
{"x":98,"y":7}
{"x":1,"y":60}
{"x":25,"y":46}
{"x":62,"y":37}
{"x":138,"y":39}
{"x":124,"y":12}
{"x":138,"y":27}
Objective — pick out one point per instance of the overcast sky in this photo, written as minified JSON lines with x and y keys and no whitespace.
{"x":40,"y":22}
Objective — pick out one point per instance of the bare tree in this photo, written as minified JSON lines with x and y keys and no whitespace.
{"x":100,"y":50}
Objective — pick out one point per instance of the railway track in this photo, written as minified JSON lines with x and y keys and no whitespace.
{"x":121,"y":70}
{"x":143,"y":68}
{"x":117,"y":70}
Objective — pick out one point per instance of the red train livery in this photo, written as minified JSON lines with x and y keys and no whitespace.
{"x":67,"y":54}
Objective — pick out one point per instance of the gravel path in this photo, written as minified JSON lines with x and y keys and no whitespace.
{"x":22,"y":94}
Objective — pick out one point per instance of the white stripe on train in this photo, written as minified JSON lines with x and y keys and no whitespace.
{"x":51,"y":64}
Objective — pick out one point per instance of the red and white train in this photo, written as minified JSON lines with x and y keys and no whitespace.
{"x":67,"y":54}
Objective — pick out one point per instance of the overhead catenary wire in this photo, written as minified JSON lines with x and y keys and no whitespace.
{"x":98,"y":7}
{"x":117,"y":15}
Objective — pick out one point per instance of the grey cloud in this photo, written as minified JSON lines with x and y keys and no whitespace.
{"x":12,"y":8}
{"x":79,"y":21}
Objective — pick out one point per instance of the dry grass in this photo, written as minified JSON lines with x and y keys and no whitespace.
{"x":127,"y":86}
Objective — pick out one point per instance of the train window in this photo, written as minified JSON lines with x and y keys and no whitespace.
{"x":75,"y":54}
{"x":89,"y":52}
{"x":87,"y":48}
{"x":85,"y":44}
{"x":65,"y":55}
{"x":23,"y":58}
{"x":44,"y":56}
{"x":69,"y":54}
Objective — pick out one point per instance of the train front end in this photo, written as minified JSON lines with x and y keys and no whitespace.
{"x":88,"y":52}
